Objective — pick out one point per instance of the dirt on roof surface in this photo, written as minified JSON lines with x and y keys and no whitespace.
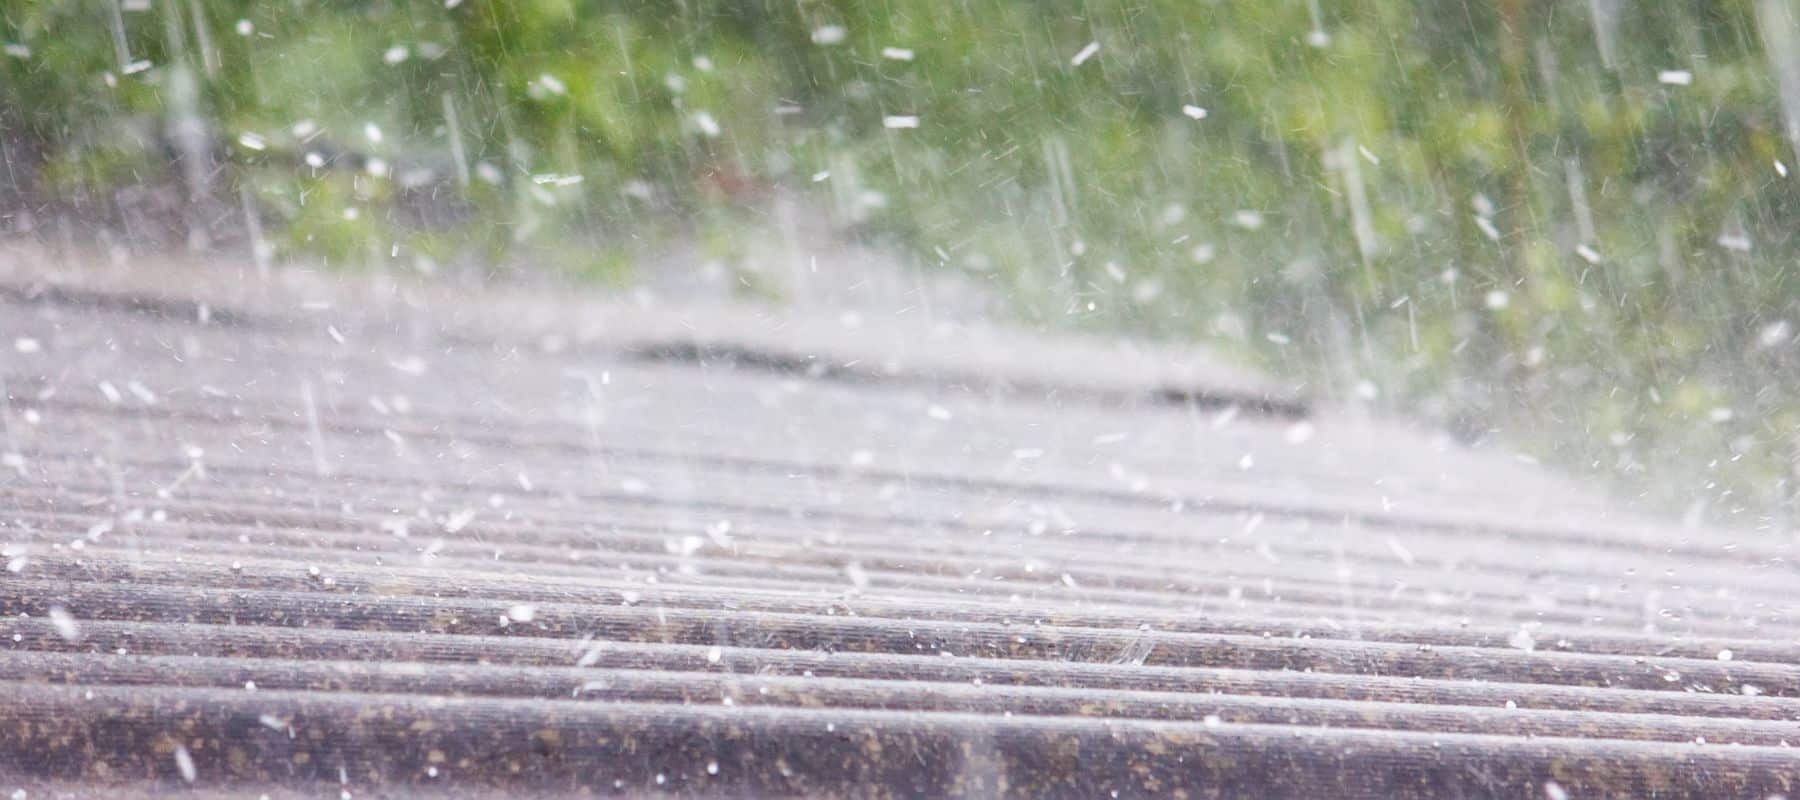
{"x":318,"y":534}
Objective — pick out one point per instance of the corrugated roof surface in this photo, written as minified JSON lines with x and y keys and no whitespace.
{"x":302,"y":537}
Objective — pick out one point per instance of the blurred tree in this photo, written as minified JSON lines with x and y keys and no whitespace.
{"x":1529,"y":210}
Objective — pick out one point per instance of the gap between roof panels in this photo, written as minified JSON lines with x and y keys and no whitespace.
{"x":818,"y":367}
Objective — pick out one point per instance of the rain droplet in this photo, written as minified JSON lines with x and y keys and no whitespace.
{"x":185,"y":762}
{"x":65,"y":624}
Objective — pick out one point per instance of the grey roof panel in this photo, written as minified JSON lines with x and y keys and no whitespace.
{"x":356,"y":535}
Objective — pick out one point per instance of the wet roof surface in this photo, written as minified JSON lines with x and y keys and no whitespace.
{"x":301,"y":537}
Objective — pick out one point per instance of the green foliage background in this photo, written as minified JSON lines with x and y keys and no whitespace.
{"x":1503,"y":214}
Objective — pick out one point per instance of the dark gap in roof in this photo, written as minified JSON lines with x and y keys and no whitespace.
{"x":801,"y":365}
{"x":157,"y":307}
